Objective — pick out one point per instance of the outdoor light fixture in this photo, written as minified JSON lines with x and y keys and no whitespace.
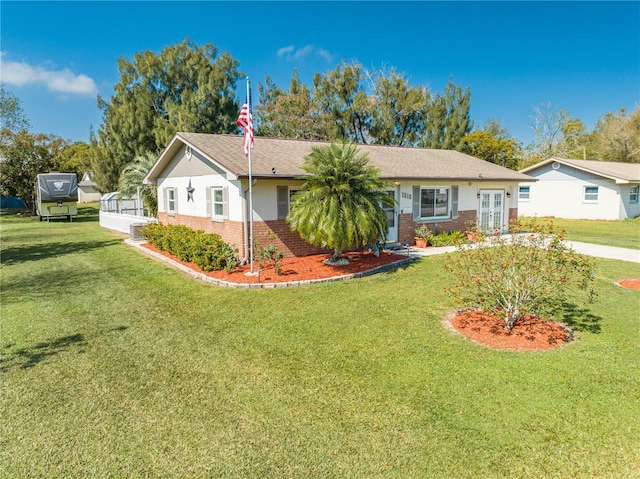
{"x":508,"y":194}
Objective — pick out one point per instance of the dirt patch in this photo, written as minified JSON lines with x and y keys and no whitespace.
{"x":295,"y":269}
{"x":630,"y":283}
{"x":531,"y":333}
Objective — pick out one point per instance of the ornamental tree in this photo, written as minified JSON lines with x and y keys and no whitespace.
{"x":340,"y":204}
{"x":526,"y":272}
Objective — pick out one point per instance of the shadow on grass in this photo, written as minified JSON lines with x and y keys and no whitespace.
{"x":30,"y":252}
{"x":26,"y":358}
{"x":578,"y":318}
{"x":49,"y":285}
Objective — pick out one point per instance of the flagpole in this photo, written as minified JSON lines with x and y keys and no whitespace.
{"x":250,"y":191}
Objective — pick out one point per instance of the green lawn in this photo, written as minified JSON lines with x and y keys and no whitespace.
{"x":623,"y":234}
{"x":117,"y":366}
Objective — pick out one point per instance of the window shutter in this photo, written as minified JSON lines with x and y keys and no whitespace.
{"x":209,"y":208}
{"x":454,"y":202}
{"x":225,"y":203}
{"x":283,"y":202}
{"x":416,"y":203}
{"x":164,"y":200}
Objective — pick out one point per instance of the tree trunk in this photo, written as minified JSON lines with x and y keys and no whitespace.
{"x":337,"y":256}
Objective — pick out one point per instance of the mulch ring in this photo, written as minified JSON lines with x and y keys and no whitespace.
{"x":530,"y":333}
{"x":629,"y":283}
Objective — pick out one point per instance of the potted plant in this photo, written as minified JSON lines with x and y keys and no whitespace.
{"x":473,"y":232}
{"x":422,"y":236}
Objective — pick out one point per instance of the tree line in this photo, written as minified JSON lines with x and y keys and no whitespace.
{"x":186,"y":87}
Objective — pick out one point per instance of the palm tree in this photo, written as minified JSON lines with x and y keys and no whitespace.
{"x":341,"y":203}
{"x":131,"y":179}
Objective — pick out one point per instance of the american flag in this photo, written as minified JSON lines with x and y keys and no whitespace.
{"x":245,"y":121}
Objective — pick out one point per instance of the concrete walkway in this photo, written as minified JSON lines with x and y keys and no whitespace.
{"x":599,"y":251}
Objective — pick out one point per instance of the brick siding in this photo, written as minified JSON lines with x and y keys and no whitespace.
{"x":407,"y":227}
{"x":277,"y":232}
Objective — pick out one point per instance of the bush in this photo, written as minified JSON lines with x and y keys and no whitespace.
{"x":453,"y":238}
{"x":207,"y":250}
{"x":519,"y":274}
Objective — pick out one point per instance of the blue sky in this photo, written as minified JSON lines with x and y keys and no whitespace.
{"x":583,"y":57}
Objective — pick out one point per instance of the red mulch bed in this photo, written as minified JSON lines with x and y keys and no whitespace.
{"x":529,"y":334}
{"x":295,"y":269}
{"x":630,"y":283}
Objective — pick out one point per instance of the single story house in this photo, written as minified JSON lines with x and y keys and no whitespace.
{"x":87,"y":192}
{"x":581,"y":189}
{"x":203,"y":183}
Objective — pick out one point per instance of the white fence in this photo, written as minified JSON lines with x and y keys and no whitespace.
{"x":122,"y":222}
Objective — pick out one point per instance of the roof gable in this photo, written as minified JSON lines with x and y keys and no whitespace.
{"x":619,"y":172}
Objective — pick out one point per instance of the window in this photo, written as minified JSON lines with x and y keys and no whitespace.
{"x":170,"y":201}
{"x":633,"y":194}
{"x":430,"y":202}
{"x":524,"y":193}
{"x":590,"y":194}
{"x":284,"y":200}
{"x":218,"y":203}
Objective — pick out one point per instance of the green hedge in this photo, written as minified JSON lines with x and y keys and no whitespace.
{"x":207,"y":250}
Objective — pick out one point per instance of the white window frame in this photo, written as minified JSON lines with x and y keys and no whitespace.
{"x":218,"y":203}
{"x":524,"y":193}
{"x":171,"y":201}
{"x":447,"y":214}
{"x":634,"y":192}
{"x":590,"y":196}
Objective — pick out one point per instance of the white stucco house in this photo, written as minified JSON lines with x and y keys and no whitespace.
{"x":581,"y":189}
{"x":203,"y":183}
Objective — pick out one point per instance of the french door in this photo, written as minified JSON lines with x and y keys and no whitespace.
{"x":491,"y":214}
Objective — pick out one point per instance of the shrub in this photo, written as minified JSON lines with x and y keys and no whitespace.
{"x":270,"y":253}
{"x":453,"y":238}
{"x":207,"y":250}
{"x":519,"y":274}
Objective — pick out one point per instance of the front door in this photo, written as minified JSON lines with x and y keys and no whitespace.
{"x":491,"y":215}
{"x":392,"y":220}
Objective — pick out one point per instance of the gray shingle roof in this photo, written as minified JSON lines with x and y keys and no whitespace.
{"x":621,"y":172}
{"x":285,"y":157}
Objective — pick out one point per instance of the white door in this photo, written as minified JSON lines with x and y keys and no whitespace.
{"x":491,"y":215}
{"x":392,"y":220}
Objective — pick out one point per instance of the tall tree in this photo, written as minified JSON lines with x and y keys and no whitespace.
{"x":24,"y":156}
{"x":289,"y":114}
{"x":617,"y":137}
{"x":12,"y":117}
{"x":448,"y":119}
{"x":340,"y":202}
{"x":183,"y":88}
{"x":340,"y":94}
{"x":399,"y":112}
{"x":488,"y":147}
{"x":556,"y":133}
{"x":76,"y":158}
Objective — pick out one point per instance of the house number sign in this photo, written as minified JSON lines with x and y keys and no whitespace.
{"x":406,"y":196}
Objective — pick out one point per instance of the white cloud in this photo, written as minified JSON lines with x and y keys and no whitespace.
{"x":285,"y":51}
{"x":64,"y":81}
{"x":292,"y":53}
{"x":300,"y":53}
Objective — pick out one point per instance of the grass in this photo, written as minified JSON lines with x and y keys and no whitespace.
{"x":623,"y":234}
{"x":117,"y":366}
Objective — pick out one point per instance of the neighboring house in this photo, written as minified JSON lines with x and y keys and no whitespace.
{"x":86,"y":190}
{"x":581,"y":189}
{"x":203,"y":183}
